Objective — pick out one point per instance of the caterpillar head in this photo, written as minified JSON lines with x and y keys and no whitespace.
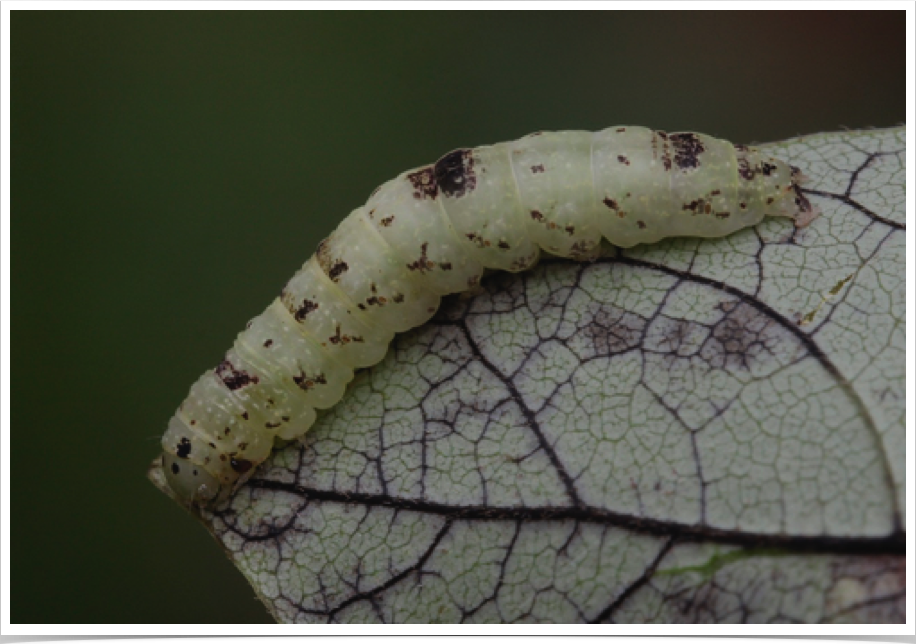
{"x":190,"y":484}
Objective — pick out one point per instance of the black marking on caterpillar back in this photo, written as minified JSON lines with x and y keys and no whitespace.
{"x":687,"y":150}
{"x":234,"y":378}
{"x":454,"y":173}
{"x":304,"y":309}
{"x":333,"y":268}
{"x":424,"y":183}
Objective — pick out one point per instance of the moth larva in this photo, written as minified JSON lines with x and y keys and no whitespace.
{"x":431,"y":232}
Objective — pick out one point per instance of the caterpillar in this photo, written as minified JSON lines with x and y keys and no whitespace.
{"x":433,"y":231}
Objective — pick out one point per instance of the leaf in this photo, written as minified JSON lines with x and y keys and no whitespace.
{"x":698,"y":430}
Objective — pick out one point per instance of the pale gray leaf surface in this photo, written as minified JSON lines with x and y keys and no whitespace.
{"x":694,"y":431}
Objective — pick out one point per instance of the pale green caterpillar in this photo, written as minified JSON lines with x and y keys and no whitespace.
{"x":432,"y":231}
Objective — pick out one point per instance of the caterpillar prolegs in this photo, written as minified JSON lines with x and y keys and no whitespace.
{"x":432,"y":231}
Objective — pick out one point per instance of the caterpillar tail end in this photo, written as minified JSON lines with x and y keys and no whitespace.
{"x":805,"y":211}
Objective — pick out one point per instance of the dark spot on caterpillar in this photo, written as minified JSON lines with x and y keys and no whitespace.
{"x":581,"y":250}
{"x":305,"y":382}
{"x":666,"y":152}
{"x":536,"y":215}
{"x":285,"y":419}
{"x":446,"y":266}
{"x":570,"y":230}
{"x":477,"y":239}
{"x":454,"y":173}
{"x":243,"y":447}
{"x":387,"y":221}
{"x":339,"y":338}
{"x":767,"y":168}
{"x":522,"y":263}
{"x":424,"y":183}
{"x":174,"y":468}
{"x":503,"y":245}
{"x":610,"y":203}
{"x":338,"y":269}
{"x":723,"y":215}
{"x":193,"y":422}
{"x":234,"y":378}
{"x":770,"y":200}
{"x":535,"y":169}
{"x":268,"y":343}
{"x":304,"y":309}
{"x":716,"y":192}
{"x":744,"y":170}
{"x":361,"y":306}
{"x":222,"y":457}
{"x":245,"y":415}
{"x":227,"y":431}
{"x":641,"y":224}
{"x":212,"y":445}
{"x":422,"y":264}
{"x":398,"y":298}
{"x":240,"y":465}
{"x":623,"y":159}
{"x":743,"y":205}
{"x":183,"y":448}
{"x":687,"y":150}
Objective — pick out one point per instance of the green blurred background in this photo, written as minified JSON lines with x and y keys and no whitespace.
{"x":172,"y":169}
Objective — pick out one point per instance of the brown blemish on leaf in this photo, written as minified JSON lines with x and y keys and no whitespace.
{"x":535,"y":169}
{"x":741,"y":338}
{"x":623,"y":159}
{"x":387,"y":221}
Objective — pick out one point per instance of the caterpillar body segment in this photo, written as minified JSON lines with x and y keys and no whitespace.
{"x":432,"y":231}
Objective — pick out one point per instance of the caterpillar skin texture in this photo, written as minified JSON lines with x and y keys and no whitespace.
{"x":432,"y":231}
